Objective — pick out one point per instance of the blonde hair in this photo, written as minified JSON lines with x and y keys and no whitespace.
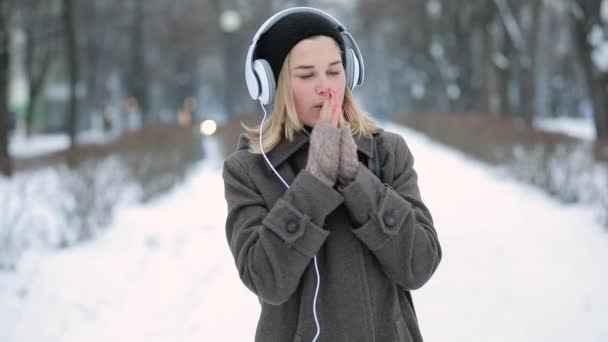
{"x":284,"y":122}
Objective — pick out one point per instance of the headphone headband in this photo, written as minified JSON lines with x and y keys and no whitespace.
{"x":258,"y":82}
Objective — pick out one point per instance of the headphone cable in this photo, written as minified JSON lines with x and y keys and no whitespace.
{"x":314,"y":303}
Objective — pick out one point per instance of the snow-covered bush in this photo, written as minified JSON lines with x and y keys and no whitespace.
{"x":61,"y":205}
{"x":27,"y":218}
{"x":90,"y":193}
{"x":600,"y":195}
{"x":12,"y":213}
{"x":58,"y":207}
{"x":567,"y":172}
{"x":527,"y":163}
{"x":569,"y":169}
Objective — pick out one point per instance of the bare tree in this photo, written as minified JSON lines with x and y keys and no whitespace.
{"x":105,"y":50}
{"x":585,"y":16}
{"x":6,"y":8}
{"x":40,"y":26}
{"x":530,"y":22}
{"x":72,"y":67}
{"x":448,"y":56}
{"x":139,"y":79}
{"x":521,"y":24}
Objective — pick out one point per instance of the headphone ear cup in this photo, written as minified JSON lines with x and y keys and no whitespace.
{"x":349,"y":68}
{"x":252,"y":81}
{"x":265,"y":76}
{"x":353,"y":61}
{"x":356,"y":71}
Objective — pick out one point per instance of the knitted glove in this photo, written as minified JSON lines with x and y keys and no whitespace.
{"x":324,"y":153}
{"x":349,"y":163}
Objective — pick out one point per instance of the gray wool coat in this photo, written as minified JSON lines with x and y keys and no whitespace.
{"x":373,"y":239}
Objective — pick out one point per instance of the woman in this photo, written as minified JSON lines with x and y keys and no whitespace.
{"x":330,"y":249}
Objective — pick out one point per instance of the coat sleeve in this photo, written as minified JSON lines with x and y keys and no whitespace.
{"x":272,"y":247}
{"x":392,"y":221}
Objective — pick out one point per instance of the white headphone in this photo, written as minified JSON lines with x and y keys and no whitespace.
{"x":258,"y":73}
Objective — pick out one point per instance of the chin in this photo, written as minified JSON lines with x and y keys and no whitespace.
{"x":310,"y":120}
{"x":310,"y":123}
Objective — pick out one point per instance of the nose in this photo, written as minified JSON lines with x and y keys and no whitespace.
{"x":322,"y":85}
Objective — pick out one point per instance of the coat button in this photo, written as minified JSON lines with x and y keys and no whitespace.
{"x":389,"y":218}
{"x":292,"y":227}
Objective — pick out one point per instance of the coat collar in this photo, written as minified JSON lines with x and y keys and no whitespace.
{"x":286,"y":148}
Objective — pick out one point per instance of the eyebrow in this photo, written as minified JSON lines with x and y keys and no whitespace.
{"x":311,"y":66}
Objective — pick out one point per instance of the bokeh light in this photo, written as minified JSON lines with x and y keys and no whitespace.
{"x":208,"y":127}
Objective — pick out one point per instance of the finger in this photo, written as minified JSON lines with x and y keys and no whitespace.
{"x":325,"y":114}
{"x":335,"y":116}
{"x":337,"y":110}
{"x":334,"y":113}
{"x":334,"y":102}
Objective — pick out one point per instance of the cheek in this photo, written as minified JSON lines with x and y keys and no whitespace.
{"x":302,"y":95}
{"x":299,"y":93}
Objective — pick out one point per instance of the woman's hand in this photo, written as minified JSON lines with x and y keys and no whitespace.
{"x":324,"y":151}
{"x":331,"y":112}
{"x":349,"y":163}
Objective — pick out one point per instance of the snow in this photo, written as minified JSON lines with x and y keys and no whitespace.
{"x":582,"y":128}
{"x":517,"y":266}
{"x":600,"y":56}
{"x":599,"y":42}
{"x":161,"y":273}
{"x":21,"y":146}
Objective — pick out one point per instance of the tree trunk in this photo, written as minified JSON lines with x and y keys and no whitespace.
{"x":5,"y":160}
{"x":36,"y":77}
{"x":138,"y":60}
{"x":95,"y":44}
{"x":38,"y":55}
{"x":543,"y":71}
{"x":464,"y":32}
{"x":596,"y":82}
{"x":496,"y":78}
{"x":505,"y":74}
{"x":72,"y":66}
{"x":527,"y":87}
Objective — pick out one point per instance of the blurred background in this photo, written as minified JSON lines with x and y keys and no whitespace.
{"x":106,"y":105}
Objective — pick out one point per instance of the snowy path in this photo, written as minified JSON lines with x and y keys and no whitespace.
{"x":517,"y":267}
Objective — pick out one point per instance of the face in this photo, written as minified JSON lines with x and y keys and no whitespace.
{"x":315,"y":64}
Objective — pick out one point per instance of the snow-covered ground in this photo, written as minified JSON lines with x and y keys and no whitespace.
{"x":517,"y":266}
{"x":21,"y":146}
{"x":582,"y":128}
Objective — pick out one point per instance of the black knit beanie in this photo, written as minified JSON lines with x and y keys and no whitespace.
{"x":275,"y":44}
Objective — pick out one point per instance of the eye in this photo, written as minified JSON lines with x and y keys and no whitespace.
{"x":333,"y":73}
{"x":305,"y":76}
